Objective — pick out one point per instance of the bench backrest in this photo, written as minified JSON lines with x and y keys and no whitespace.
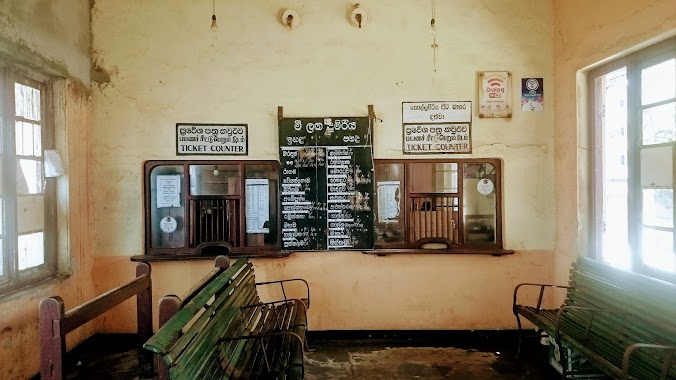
{"x":644,"y":311}
{"x":188,"y":341}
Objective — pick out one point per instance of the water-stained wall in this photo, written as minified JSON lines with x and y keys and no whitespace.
{"x":53,"y":39}
{"x":166,"y":66}
{"x":587,"y":33}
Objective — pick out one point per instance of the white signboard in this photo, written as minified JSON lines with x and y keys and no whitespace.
{"x":168,"y":191}
{"x":437,"y":138}
{"x":437,"y":112}
{"x":495,"y":94}
{"x":212,"y":139}
{"x":257,"y":205}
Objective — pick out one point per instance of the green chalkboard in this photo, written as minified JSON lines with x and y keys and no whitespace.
{"x":326,"y":183}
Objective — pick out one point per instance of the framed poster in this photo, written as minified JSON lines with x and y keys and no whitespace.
{"x":495,"y":94}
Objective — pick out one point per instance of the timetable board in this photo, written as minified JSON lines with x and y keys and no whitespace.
{"x":326,"y":185}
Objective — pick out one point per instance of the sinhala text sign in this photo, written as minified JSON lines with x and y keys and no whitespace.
{"x":211,"y":139}
{"x":437,"y":127}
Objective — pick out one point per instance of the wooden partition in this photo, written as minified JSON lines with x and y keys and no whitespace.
{"x":55,"y":323}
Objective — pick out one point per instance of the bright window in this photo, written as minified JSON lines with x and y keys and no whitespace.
{"x":27,"y":222}
{"x":634,"y":121}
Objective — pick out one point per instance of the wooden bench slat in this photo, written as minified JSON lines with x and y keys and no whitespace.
{"x":218,"y":333}
{"x":599,"y":294}
{"x":190,"y":360}
{"x":226,"y":299}
{"x":647,"y":314}
{"x":250,"y":346}
{"x":256,"y":361}
{"x":604,"y":341}
{"x":164,"y":338}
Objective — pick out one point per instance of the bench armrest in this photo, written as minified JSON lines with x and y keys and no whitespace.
{"x":542,"y":292}
{"x":281,"y":283}
{"x":290,"y":300}
{"x":668,"y":358}
{"x":591,"y":310}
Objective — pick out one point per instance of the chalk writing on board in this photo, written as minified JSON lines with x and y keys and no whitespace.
{"x":326,"y":186}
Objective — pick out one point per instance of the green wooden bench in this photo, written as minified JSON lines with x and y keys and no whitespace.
{"x":622,"y":322}
{"x":222,"y":330}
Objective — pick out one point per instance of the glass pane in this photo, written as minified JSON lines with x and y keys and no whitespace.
{"x":2,"y":217}
{"x":430,"y":177}
{"x":446,"y":178}
{"x":658,"y":207}
{"x":389,"y":203}
{"x":27,"y":139}
{"x":2,"y":259}
{"x":31,"y":250}
{"x":37,"y":140}
{"x":27,"y":101}
{"x":30,"y":213}
{"x":167,"y":207}
{"x":29,"y":177}
{"x":658,"y":82}
{"x":479,"y":200}
{"x":657,"y":166}
{"x":659,"y":124}
{"x":18,"y":135}
{"x":261,"y":205}
{"x":658,"y":249}
{"x":214,"y":180}
{"x":612,"y":108}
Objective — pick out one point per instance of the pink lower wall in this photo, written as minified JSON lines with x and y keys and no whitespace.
{"x":356,"y":291}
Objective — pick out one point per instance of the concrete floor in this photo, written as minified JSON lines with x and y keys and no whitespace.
{"x":431,"y":355}
{"x":404,"y":359}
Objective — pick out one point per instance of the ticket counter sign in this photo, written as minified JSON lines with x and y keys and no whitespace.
{"x":437,"y":138}
{"x":437,"y":127}
{"x":212,"y":139}
{"x":436,"y":112}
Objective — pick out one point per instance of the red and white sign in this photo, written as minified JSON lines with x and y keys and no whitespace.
{"x":495,"y":94}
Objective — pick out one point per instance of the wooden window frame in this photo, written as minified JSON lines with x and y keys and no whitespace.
{"x":14,"y":279}
{"x":188,"y":251}
{"x":634,"y":64}
{"x":461,"y":246}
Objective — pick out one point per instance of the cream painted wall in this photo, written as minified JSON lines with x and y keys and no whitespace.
{"x":57,"y":30}
{"x":166,"y":66}
{"x":53,"y":39}
{"x":587,"y":33}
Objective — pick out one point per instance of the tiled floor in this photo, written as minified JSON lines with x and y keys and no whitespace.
{"x":429,"y":355}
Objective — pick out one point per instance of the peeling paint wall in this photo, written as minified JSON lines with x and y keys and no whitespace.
{"x":58,"y":31}
{"x":588,"y":32}
{"x":53,"y":38}
{"x":166,"y":66}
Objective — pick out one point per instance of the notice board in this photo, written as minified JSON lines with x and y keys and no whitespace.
{"x":326,"y":185}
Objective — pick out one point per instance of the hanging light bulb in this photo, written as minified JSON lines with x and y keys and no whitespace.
{"x":214,"y":25}
{"x":215,"y":171}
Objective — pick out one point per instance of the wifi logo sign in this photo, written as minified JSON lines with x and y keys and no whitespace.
{"x":495,"y":82}
{"x":495,"y":87}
